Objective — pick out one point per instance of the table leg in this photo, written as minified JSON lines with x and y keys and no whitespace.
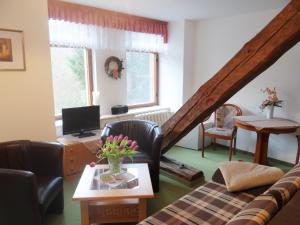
{"x":298,"y":151}
{"x":261,"y":152}
{"x":84,"y":210}
{"x":142,"y":208}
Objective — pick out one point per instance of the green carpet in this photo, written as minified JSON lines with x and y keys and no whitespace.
{"x":170,"y":189}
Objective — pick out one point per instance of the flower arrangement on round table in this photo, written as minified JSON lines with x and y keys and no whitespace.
{"x":271,"y":101}
{"x":114,"y":149}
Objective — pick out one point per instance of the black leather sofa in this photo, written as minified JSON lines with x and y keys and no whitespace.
{"x":149,"y":137}
{"x":31,"y":182}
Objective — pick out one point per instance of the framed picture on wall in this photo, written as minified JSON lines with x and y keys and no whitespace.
{"x":12,"y":55}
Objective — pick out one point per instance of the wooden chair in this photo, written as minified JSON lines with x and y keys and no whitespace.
{"x":223,"y":127}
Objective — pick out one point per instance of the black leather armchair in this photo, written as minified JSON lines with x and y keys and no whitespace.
{"x":31,"y":182}
{"x":149,"y":137}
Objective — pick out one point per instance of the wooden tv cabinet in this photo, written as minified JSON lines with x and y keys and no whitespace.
{"x":77,"y":153}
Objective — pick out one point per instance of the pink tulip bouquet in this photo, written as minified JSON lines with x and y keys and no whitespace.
{"x":116,"y":147}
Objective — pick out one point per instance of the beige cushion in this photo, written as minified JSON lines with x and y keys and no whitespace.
{"x":219,"y":131}
{"x":244,"y":175}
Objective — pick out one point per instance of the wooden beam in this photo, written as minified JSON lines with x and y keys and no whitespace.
{"x":180,"y":170}
{"x":281,"y":34}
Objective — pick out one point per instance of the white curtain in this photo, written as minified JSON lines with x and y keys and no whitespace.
{"x":70,"y":34}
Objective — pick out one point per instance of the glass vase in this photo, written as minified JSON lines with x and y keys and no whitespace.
{"x":270,"y":112}
{"x":114,"y":165}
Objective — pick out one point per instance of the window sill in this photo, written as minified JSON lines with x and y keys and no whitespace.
{"x":135,"y":111}
{"x":104,"y":119}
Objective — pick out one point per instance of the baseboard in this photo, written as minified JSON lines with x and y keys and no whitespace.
{"x":193,"y":149}
{"x":252,"y":154}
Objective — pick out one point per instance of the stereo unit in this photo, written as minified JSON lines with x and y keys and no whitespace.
{"x":119,"y":109}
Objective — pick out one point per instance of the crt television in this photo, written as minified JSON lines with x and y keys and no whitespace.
{"x":79,"y":120}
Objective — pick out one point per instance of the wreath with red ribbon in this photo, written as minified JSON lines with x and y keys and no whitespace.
{"x":113,"y":67}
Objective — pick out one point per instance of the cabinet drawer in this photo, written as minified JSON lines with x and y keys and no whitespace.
{"x":71,"y":170}
{"x":76,"y":157}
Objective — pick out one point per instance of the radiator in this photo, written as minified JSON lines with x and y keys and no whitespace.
{"x":160,"y":116}
{"x":193,"y":140}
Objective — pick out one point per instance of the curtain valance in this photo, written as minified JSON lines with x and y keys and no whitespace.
{"x":70,"y":34}
{"x":59,"y":10}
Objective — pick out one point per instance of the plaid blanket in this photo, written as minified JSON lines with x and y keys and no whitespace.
{"x":265,"y":206}
{"x":257,"y":212}
{"x":210,"y":204}
{"x":284,"y":189}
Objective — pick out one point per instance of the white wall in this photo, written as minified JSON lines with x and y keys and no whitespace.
{"x":188,"y":58}
{"x":171,"y":68}
{"x":112,"y":92}
{"x":193,"y":139}
{"x":217,"y":41}
{"x":176,"y":65}
{"x":175,"y":72}
{"x":171,"y":64}
{"x":26,"y":98}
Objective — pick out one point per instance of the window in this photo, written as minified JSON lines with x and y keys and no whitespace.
{"x":71,"y":77}
{"x":141,"y":73}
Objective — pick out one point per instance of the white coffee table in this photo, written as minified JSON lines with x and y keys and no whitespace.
{"x":104,"y":202}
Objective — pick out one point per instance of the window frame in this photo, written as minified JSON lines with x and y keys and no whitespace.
{"x":88,"y":73}
{"x":155,"y":82}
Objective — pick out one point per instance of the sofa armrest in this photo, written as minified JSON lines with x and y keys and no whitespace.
{"x":156,"y":144}
{"x":105,"y":133}
{"x":46,"y":158}
{"x":289,"y":214}
{"x":19,"y":200}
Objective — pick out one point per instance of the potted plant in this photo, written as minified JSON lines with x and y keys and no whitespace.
{"x":114,"y":149}
{"x":271,"y":101}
